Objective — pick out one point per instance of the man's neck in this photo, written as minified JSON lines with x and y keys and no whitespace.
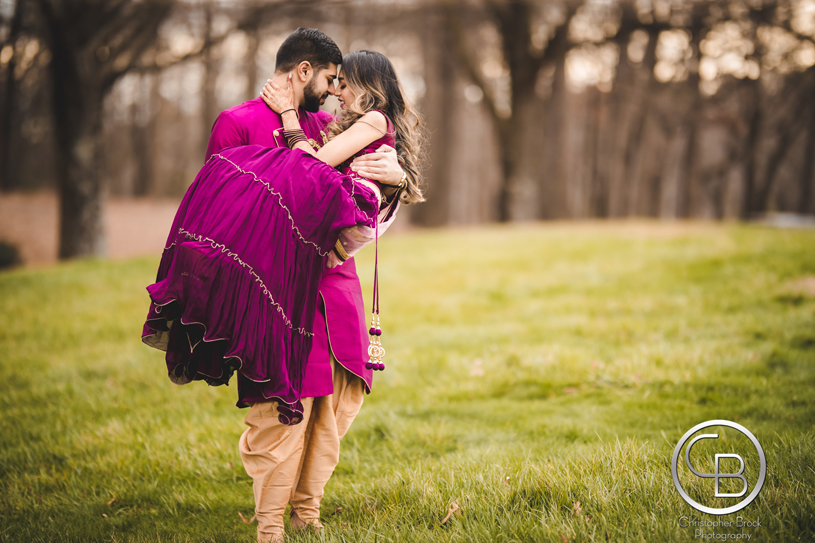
{"x":280,"y":80}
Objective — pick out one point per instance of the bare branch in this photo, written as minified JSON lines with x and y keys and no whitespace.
{"x":468,"y":62}
{"x":138,"y":67}
{"x":141,"y":40}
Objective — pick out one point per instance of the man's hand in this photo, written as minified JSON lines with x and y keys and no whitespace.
{"x":382,"y":166}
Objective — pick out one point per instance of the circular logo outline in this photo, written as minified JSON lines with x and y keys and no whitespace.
{"x":724,"y":510}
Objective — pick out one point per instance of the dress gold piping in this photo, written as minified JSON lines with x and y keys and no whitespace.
{"x":145,"y":340}
{"x":280,"y":200}
{"x":224,"y":249}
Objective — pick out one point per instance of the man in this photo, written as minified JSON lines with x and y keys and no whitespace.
{"x":292,"y":464}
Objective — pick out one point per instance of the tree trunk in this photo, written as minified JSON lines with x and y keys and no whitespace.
{"x":78,"y":124}
{"x":209,"y":105}
{"x":633,"y":151}
{"x":439,"y":104}
{"x":9,"y":103}
{"x":554,"y":183}
{"x":507,"y":172}
{"x":750,"y":150}
{"x":806,"y":176}
{"x":77,"y":104}
{"x":686,"y":174}
{"x":252,"y":89}
{"x":598,"y":178}
{"x":143,"y":134}
{"x":516,"y":132}
{"x":762,"y":201}
{"x":518,"y":149}
{"x":623,"y":108}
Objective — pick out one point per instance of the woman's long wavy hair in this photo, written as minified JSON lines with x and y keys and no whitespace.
{"x":371,"y":77}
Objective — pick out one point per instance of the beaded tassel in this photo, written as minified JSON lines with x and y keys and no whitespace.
{"x":375,"y":349}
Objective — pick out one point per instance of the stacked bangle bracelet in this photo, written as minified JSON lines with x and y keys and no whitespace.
{"x":340,"y":250}
{"x":293,"y":137}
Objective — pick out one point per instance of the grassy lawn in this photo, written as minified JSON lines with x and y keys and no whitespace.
{"x":538,"y":376}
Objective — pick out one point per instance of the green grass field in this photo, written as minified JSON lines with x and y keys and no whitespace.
{"x":538,"y":376}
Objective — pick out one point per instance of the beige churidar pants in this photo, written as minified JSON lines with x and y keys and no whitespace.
{"x":292,"y":464}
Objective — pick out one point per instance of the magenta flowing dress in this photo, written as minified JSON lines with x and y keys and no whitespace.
{"x":237,"y":285}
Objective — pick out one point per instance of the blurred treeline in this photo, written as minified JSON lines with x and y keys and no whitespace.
{"x":535,"y":109}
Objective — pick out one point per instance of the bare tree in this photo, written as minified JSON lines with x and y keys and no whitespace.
{"x":524,"y":62}
{"x":437,"y":106}
{"x":92,"y":43}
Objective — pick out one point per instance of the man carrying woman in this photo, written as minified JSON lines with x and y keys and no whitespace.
{"x":298,"y":415}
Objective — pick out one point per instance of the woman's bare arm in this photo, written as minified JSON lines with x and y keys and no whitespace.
{"x":343,"y":146}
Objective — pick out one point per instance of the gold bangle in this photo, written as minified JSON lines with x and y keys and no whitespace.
{"x":294,"y":141}
{"x":402,"y":181}
{"x":293,"y":137}
{"x":341,"y":251}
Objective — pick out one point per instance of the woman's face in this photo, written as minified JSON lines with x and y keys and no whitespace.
{"x":344,"y":93}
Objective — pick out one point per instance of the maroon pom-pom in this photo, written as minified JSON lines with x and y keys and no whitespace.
{"x":379,"y":331}
{"x":368,"y":365}
{"x":372,"y":331}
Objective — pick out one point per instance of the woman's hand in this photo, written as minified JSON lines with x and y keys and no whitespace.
{"x":277,"y":98}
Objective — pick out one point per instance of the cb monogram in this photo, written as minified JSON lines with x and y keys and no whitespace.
{"x":717,"y":475}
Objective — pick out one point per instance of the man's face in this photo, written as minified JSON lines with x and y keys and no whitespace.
{"x":319,"y":87}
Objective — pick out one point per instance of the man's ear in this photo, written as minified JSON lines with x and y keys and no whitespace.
{"x":304,"y":71}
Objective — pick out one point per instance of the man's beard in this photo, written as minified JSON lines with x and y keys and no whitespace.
{"x":311,"y":100}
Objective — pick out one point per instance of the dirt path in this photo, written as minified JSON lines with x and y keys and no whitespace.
{"x":137,"y":227}
{"x":133,"y":227}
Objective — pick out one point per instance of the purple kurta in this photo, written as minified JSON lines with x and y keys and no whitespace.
{"x":339,"y":319}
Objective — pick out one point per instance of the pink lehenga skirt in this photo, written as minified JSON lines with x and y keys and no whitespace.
{"x":238,"y":281}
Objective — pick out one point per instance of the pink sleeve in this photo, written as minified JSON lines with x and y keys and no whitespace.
{"x":226,"y":132}
{"x":356,"y":237}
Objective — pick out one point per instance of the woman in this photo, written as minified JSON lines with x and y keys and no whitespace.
{"x":237,"y":284}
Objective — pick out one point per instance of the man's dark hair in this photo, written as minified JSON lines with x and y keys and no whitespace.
{"x":307,"y":44}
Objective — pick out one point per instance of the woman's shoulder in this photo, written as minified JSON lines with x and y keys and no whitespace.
{"x":384,"y":126}
{"x":378,"y":120}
